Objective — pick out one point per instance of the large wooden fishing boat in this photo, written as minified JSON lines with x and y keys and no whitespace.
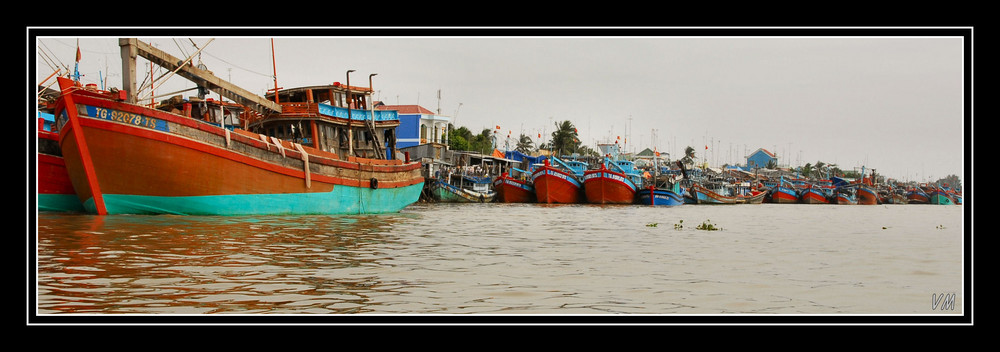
{"x":940,"y":197}
{"x":663,"y":189}
{"x":614,"y":185}
{"x":753,"y":197}
{"x":845,"y":195}
{"x":293,"y":155}
{"x":558,"y":184}
{"x":784,"y":193}
{"x":818,"y":192}
{"x":513,"y":190}
{"x":866,"y":195}
{"x":703,"y":194}
{"x":916,"y":195}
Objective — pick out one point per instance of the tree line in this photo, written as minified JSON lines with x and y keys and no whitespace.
{"x":564,"y":140}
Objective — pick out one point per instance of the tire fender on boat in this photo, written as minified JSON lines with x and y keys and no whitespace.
{"x":373,"y":183}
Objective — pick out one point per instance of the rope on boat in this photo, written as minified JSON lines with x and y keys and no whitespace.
{"x":277,"y":143}
{"x":305,"y":163}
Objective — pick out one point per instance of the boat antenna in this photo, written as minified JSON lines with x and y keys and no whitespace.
{"x":274,"y":66}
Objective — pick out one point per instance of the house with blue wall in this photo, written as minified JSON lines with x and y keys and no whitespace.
{"x":418,"y":125}
{"x":760,"y":159}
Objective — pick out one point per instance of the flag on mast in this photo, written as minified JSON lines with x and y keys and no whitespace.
{"x":76,"y":68}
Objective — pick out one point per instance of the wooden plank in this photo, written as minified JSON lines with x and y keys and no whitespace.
{"x":203,"y":78}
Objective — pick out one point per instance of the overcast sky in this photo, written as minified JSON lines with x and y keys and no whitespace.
{"x":892,"y":103}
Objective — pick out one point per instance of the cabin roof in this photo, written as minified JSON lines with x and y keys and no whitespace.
{"x":407,"y":109}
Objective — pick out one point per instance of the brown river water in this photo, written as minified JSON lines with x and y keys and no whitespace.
{"x":523,"y":263}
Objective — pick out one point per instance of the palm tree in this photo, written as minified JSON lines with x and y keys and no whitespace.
{"x":525,"y":144}
{"x":807,"y":170}
{"x":821,"y":169}
{"x":564,"y":138}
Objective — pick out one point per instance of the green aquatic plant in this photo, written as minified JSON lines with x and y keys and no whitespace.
{"x":940,"y":227}
{"x":708,"y":226}
{"x":679,"y":226}
{"x":652,"y":224}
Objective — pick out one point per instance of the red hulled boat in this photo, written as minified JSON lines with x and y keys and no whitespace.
{"x":555,"y":185}
{"x":604,"y":186}
{"x":512,"y":190}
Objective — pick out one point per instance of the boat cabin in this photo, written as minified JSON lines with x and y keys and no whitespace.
{"x":333,"y":118}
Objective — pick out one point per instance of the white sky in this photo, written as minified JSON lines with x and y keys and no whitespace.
{"x":892,"y":103}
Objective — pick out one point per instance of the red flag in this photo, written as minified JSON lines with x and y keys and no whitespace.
{"x":78,"y":54}
{"x":706,"y":147}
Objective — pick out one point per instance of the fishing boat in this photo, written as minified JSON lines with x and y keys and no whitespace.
{"x":292,"y":155}
{"x":784,"y":193}
{"x":713,"y":192}
{"x":511,"y":189}
{"x":940,"y":197}
{"x":560,"y":182}
{"x":818,"y":192}
{"x":663,"y":189}
{"x":896,"y":196}
{"x":612,"y":185}
{"x":866,"y":195}
{"x":916,"y":195}
{"x":55,"y":190}
{"x":462,"y":189}
{"x":753,"y":197}
{"x":845,"y":195}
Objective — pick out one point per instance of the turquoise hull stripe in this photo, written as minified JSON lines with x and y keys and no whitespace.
{"x":342,"y":200}
{"x":59,"y":203}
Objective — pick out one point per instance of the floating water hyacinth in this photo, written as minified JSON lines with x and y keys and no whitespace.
{"x":708,"y":226}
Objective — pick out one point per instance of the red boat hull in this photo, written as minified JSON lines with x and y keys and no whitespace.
{"x":555,"y":186}
{"x":607,"y":187}
{"x":511,"y":190}
{"x":867,"y":196}
{"x":814,"y":198}
{"x":52,"y":175}
{"x":784,"y":198}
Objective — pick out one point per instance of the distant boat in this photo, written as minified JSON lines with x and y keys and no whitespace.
{"x":916,"y":195}
{"x":866,"y":195}
{"x":462,"y":189}
{"x":614,"y":185}
{"x":662,"y":193}
{"x":818,"y":192}
{"x":754,"y":197}
{"x":558,"y":184}
{"x":715,"y":193}
{"x":513,"y":190}
{"x":940,"y":197}
{"x":845,"y":195}
{"x":893,"y":195}
{"x":784,"y":192}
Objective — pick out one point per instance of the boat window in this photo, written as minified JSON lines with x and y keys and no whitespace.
{"x":338,"y":99}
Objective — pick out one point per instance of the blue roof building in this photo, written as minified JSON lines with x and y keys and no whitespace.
{"x":418,"y":125}
{"x":760,"y":159}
